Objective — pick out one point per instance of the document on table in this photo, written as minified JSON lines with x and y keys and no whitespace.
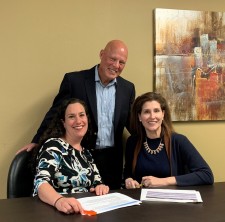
{"x":169,"y":195}
{"x":107,"y":202}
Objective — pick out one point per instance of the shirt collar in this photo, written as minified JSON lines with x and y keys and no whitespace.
{"x":97,"y":79}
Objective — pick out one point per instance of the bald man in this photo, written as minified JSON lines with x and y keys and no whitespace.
{"x":109,"y":98}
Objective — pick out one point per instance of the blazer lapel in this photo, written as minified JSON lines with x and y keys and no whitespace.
{"x":118,"y":103}
{"x":91,"y":94}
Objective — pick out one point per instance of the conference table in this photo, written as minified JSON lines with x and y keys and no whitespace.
{"x":212,"y":209}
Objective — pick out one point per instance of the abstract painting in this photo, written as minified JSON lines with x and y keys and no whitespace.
{"x":189,"y":69}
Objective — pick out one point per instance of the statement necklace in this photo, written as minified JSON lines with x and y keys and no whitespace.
{"x":157,"y":150}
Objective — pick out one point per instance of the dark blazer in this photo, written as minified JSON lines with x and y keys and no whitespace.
{"x":81,"y":85}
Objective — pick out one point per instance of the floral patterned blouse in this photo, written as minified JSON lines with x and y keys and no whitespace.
{"x":66,"y":169}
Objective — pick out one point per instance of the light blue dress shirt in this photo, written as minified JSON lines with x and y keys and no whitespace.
{"x":105,"y":109}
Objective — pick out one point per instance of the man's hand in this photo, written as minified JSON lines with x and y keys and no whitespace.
{"x":28,"y":147}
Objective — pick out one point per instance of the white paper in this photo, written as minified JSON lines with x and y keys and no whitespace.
{"x":170,"y":195}
{"x":107,"y":202}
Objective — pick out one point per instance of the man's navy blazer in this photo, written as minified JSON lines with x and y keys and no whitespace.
{"x":81,"y":85}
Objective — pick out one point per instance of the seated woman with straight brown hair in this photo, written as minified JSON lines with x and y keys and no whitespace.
{"x":156,"y":155}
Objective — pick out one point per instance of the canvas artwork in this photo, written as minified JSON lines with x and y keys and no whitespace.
{"x":190,"y":63}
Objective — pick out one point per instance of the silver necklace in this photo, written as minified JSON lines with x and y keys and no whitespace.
{"x":157,"y":150}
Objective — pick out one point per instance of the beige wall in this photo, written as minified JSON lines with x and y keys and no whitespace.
{"x":42,"y":40}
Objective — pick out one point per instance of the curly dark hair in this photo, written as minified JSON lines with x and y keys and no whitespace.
{"x":56,"y":128}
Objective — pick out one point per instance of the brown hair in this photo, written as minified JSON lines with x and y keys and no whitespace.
{"x":137,"y":128}
{"x":56,"y":128}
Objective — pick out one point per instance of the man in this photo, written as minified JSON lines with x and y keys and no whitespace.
{"x":108,"y":97}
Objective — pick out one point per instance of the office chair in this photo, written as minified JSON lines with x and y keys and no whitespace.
{"x":20,"y":176}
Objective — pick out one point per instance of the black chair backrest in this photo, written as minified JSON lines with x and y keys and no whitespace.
{"x":20,"y":176}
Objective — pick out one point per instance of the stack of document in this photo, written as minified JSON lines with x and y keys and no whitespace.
{"x":108,"y":202}
{"x":100,"y":204}
{"x":169,"y":195}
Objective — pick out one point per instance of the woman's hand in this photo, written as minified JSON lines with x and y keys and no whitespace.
{"x":131,"y":184}
{"x":100,"y":189}
{"x":68,"y":205}
{"x":150,"y":181}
